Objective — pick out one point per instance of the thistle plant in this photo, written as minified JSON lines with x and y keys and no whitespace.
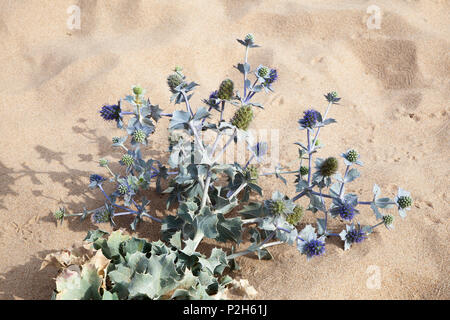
{"x":202,"y":191}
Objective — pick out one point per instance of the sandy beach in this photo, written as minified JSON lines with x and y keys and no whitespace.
{"x":395,"y":89}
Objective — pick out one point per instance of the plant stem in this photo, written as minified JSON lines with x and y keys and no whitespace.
{"x":245,"y":71}
{"x":301,"y":194}
{"x":309,"y":157}
{"x":221,"y":111}
{"x":281,"y":172}
{"x":365,"y":202}
{"x":247,"y":221}
{"x":376,"y":225}
{"x":196,"y":136}
{"x":225,"y":146}
{"x":213,"y":149}
{"x":188,"y":105}
{"x":324,"y":118}
{"x":323,"y":195}
{"x":152,"y":217}
{"x":242,"y":186}
{"x":249,"y":160}
{"x":343,"y":182}
{"x":205,"y":190}
{"x":260,"y":246}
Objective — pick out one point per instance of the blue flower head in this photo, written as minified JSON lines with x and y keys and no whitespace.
{"x":356,"y":235}
{"x":314,"y":248}
{"x":273,"y":76}
{"x":309,"y":243}
{"x":96,"y":178}
{"x":213,"y":100}
{"x":347,"y":211}
{"x":310,"y":119}
{"x":111,"y":112}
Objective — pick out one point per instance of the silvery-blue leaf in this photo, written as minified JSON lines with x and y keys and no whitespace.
{"x":367,"y":229}
{"x":264,"y":254}
{"x":352,"y":175}
{"x":179,"y":120}
{"x":308,"y":233}
{"x":287,"y":237}
{"x":384,"y":203}
{"x":277,"y":195}
{"x":376,"y":191}
{"x":129,"y":99}
{"x":247,"y":83}
{"x":301,"y":145}
{"x":402,"y":213}
{"x":338,"y":177}
{"x":301,"y":185}
{"x":328,"y":121}
{"x":255,"y":187}
{"x":201,"y":113}
{"x":267,"y":224}
{"x":351,"y":199}
{"x":207,"y":223}
{"x":256,"y":104}
{"x":252,"y":210}
{"x":317,"y":203}
{"x":334,"y":189}
{"x":256,"y":88}
{"x":343,"y":234}
{"x":321,"y":226}
{"x":229,"y":229}
{"x":346,"y":162}
{"x":347,"y":245}
{"x":377,"y":212}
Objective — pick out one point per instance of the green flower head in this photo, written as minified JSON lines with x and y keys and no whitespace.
{"x":139,"y":136}
{"x":388,"y":220}
{"x":404,"y":202}
{"x":329,"y":167}
{"x":59,"y":214}
{"x":263,"y":71}
{"x":295,"y":217}
{"x":243,"y":117}
{"x":103,"y":162}
{"x":278,"y":207}
{"x":252,"y":172}
{"x":173,"y":81}
{"x":304,"y":170}
{"x":226,"y":90}
{"x":352,"y":155}
{"x":127,"y":160}
{"x":137,"y":90}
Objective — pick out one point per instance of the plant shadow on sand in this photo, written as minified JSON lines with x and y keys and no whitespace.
{"x":24,"y":281}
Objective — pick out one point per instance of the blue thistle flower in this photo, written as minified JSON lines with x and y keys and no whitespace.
{"x":310,"y":118}
{"x":346,"y":211}
{"x":273,"y":76}
{"x":355,"y":235}
{"x":96,"y":178}
{"x":314,"y":247}
{"x":111,"y":112}
{"x":101,"y":216}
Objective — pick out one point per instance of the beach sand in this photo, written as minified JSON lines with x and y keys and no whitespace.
{"x":395,"y":89}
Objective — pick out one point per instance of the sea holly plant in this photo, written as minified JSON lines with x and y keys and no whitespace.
{"x":209,"y":198}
